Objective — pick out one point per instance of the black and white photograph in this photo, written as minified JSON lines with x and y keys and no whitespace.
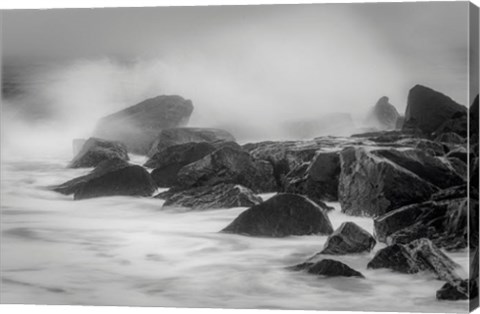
{"x":318,"y":156}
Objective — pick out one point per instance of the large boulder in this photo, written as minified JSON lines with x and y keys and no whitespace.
{"x":418,"y":255}
{"x":425,"y":166}
{"x":72,"y":186}
{"x":280,"y":216}
{"x":211,"y":197}
{"x":127,"y":181}
{"x":138,"y":126}
{"x":431,"y":111}
{"x":328,"y":268}
{"x":169,"y":161}
{"x":96,"y":150}
{"x":442,"y":219}
{"x":317,"y":180}
{"x":370,"y":185}
{"x":284,"y":156}
{"x":176,"y":136}
{"x":348,"y":238}
{"x":228,"y":165}
{"x":383,"y":115}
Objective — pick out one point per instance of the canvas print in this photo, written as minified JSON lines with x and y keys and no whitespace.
{"x":309,"y":157}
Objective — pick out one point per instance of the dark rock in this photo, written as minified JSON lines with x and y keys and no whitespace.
{"x":450,"y":137}
{"x":427,"y":146}
{"x":383,"y":115}
{"x":429,"y":168}
{"x":474,"y":123}
{"x":72,"y":186}
{"x":395,"y":257}
{"x":138,"y":126}
{"x":349,"y":238}
{"x":96,"y":150}
{"x":427,"y":110}
{"x":463,"y":290}
{"x":169,"y":161}
{"x":460,"y":167}
{"x":459,"y":152}
{"x":400,"y":122}
{"x":370,"y":185}
{"x":228,"y":165}
{"x":211,"y":197}
{"x":443,"y":221}
{"x":280,"y":216}
{"x":176,"y":136}
{"x":328,"y":268}
{"x":390,"y":136}
{"x":318,"y":180}
{"x":284,"y":156}
{"x":418,"y":255}
{"x":126,"y":181}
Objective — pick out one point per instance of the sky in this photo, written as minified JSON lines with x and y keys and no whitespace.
{"x":254,"y":66}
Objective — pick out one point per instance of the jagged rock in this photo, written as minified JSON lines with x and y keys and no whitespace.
{"x":370,"y":185}
{"x":427,"y":146}
{"x":176,"y":136}
{"x":395,"y":257}
{"x":169,"y":161}
{"x":72,"y":186}
{"x":126,"y":181}
{"x":427,"y":167}
{"x":284,"y":156}
{"x":96,"y":150}
{"x":211,"y":197}
{"x":280,"y":216}
{"x":327,"y":268}
{"x":418,"y":255}
{"x":459,"y":152}
{"x":444,"y":221}
{"x":462,"y":290}
{"x":383,"y":115}
{"x":318,"y":180}
{"x":228,"y":165}
{"x":348,"y":238}
{"x":460,"y":167}
{"x":138,"y":126}
{"x":474,"y":123}
{"x":450,"y":137}
{"x":428,"y":110}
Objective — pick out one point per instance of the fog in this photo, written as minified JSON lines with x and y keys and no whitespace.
{"x":249,"y":70}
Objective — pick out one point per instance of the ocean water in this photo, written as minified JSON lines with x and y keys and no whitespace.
{"x":130,"y":251}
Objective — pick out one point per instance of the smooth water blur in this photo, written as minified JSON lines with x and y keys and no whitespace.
{"x":128,"y":251}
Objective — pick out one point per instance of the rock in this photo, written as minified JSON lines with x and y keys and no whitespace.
{"x":211,"y":197}
{"x":427,"y":146}
{"x":349,"y":238}
{"x":460,"y":168}
{"x":370,"y":185}
{"x":328,"y":268}
{"x":450,"y":137}
{"x":464,"y":290}
{"x":96,"y":150}
{"x":400,"y":122}
{"x":418,"y":255}
{"x":459,"y":152}
{"x":72,"y":186}
{"x":284,"y":156}
{"x":383,"y":115}
{"x":427,"y":110}
{"x":442,"y":221}
{"x":280,"y":216}
{"x":169,"y":161}
{"x":228,"y":165}
{"x":395,"y":257}
{"x":390,"y":136}
{"x":318,"y":180}
{"x":176,"y":136}
{"x":474,"y":122}
{"x":138,"y":126}
{"x":427,"y":167}
{"x":126,"y":181}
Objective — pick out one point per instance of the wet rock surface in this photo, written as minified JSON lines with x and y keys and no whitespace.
{"x":328,"y":268}
{"x":349,"y":238}
{"x":96,"y":150}
{"x":280,"y":216}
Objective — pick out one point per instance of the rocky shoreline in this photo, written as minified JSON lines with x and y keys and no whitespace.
{"x":409,"y":174}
